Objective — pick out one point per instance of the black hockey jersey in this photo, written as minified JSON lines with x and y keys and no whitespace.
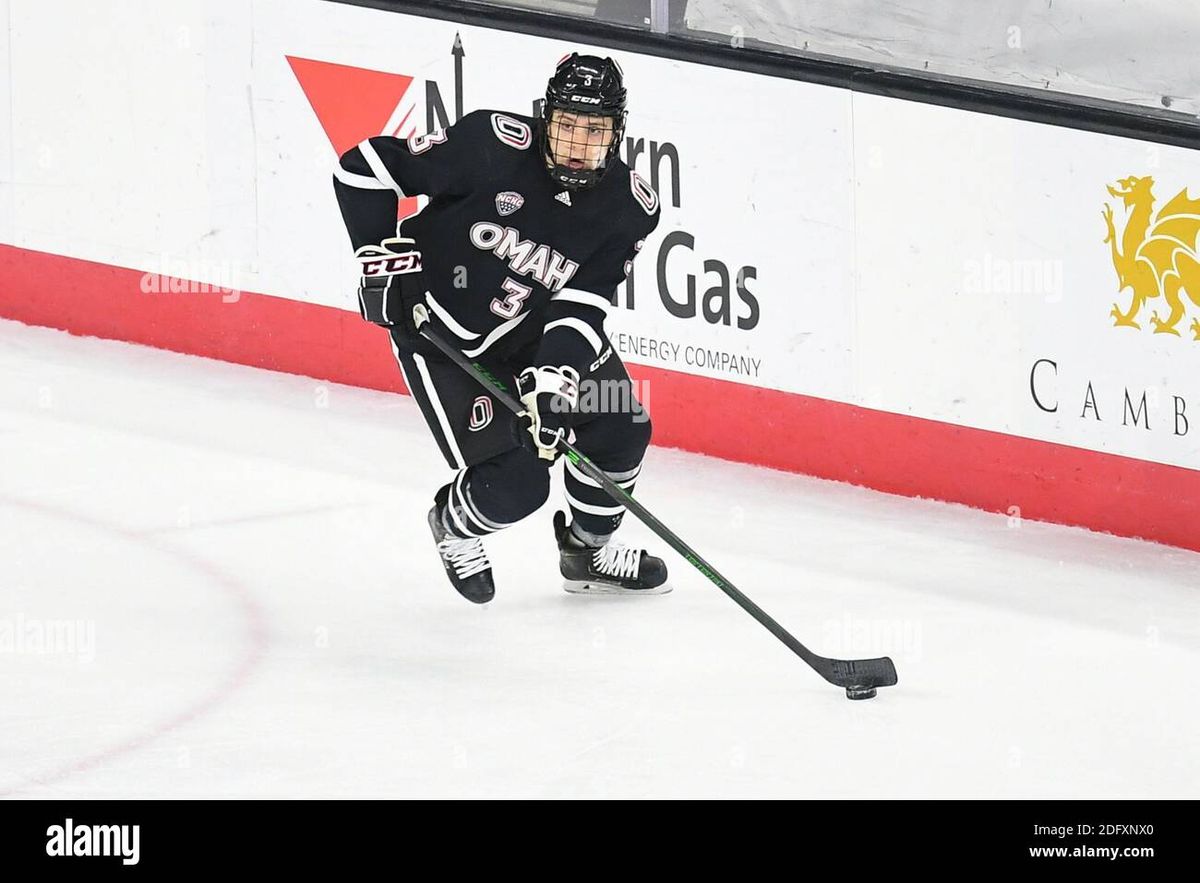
{"x":508,"y":255}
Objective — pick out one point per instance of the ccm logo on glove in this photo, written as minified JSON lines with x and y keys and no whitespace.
{"x":389,"y":258}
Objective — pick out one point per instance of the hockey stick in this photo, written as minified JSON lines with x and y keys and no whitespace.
{"x":859,"y":676}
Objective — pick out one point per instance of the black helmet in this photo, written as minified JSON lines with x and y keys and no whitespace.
{"x":591,"y":85}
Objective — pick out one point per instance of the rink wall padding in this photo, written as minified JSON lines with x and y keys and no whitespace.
{"x":97,"y":300}
{"x":885,"y":451}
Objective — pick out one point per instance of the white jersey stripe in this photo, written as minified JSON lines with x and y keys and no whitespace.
{"x":408,"y":382}
{"x":495,"y":334}
{"x":431,"y":392}
{"x":587,"y":298}
{"x":627,"y":477}
{"x":378,"y":168}
{"x":620,"y":479}
{"x":577,"y":474}
{"x":466,"y":531}
{"x":448,"y":320}
{"x":473,"y":510}
{"x":384,"y":306}
{"x":457,"y":493}
{"x":362,"y":182}
{"x":592,"y":509}
{"x":589,"y":333}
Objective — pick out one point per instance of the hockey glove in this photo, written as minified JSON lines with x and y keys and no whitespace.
{"x":381,"y":297}
{"x":549,"y":395}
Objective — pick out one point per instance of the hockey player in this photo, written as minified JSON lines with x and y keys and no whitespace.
{"x":531,"y":225}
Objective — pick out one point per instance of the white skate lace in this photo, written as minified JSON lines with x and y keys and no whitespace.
{"x":617,"y":559}
{"x":467,"y":557}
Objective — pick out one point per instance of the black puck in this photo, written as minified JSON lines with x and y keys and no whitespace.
{"x":860,"y":692}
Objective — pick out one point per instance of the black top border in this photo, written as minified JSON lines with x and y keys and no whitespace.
{"x":1032,"y":105}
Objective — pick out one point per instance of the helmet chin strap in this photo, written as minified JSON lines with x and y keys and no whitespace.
{"x":575,"y":179}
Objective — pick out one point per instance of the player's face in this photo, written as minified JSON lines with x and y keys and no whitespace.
{"x":579,"y":140}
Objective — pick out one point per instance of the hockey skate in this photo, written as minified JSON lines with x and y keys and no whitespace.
{"x":611,"y":569}
{"x":464,"y":558}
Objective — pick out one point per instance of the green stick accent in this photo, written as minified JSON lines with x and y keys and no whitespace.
{"x":488,"y":376}
{"x":720,"y":584}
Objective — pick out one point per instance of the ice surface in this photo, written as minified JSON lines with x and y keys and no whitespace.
{"x":249,"y":554}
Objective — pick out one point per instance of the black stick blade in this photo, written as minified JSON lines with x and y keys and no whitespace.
{"x":859,"y":672}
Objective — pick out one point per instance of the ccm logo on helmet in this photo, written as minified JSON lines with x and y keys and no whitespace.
{"x":585,"y":99}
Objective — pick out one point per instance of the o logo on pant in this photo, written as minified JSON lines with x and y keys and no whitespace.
{"x":481,"y":413}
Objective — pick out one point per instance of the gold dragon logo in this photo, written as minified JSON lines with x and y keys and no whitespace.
{"x":1157,"y":256}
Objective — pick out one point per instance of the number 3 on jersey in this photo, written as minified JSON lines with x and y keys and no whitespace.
{"x":421,"y":143}
{"x":513,"y":301}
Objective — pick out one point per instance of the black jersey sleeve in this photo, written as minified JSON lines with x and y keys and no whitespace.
{"x":574,"y":332}
{"x":371,"y":177}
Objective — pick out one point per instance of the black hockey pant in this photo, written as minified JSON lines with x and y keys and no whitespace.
{"x":499,"y":480}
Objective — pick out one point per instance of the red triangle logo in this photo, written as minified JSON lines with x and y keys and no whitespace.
{"x":351,"y":103}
